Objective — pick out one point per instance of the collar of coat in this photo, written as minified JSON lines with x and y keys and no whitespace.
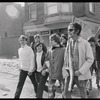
{"x":79,"y":39}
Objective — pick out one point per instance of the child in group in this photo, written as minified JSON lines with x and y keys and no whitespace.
{"x":39,"y":61}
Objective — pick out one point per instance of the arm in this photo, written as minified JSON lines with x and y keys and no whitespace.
{"x":19,"y":58}
{"x":46,"y":63}
{"x":89,"y":59}
{"x":32,"y":60}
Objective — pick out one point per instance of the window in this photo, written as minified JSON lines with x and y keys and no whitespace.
{"x":52,"y":8}
{"x":66,"y":7}
{"x":92,"y":8}
{"x":32,"y":11}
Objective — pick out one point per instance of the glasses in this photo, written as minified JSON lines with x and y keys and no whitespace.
{"x":70,"y":30}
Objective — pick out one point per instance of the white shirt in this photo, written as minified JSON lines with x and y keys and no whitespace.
{"x":26,"y":57}
{"x":38,"y":61}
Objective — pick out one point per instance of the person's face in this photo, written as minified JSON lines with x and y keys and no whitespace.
{"x":22,"y":41}
{"x":63,"y":40}
{"x":39,"y":48}
{"x":52,"y":42}
{"x":71,"y":31}
{"x":37,"y":39}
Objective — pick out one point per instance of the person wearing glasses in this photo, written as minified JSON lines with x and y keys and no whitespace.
{"x":27,"y":66}
{"x":81,"y":58}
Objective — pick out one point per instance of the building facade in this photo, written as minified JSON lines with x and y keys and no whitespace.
{"x":11,"y":27}
{"x":48,"y":18}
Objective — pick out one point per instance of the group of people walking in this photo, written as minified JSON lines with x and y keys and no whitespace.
{"x":70,"y":60}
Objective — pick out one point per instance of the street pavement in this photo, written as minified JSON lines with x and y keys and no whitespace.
{"x":9,"y":79}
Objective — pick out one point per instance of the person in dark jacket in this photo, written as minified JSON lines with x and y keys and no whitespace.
{"x":36,"y":40}
{"x":98,"y":63}
{"x":92,"y":41}
{"x":39,"y":61}
{"x":54,"y":63}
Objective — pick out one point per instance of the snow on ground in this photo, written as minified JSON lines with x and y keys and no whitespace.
{"x":10,"y":65}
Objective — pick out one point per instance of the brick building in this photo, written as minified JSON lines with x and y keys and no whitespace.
{"x":48,"y":18}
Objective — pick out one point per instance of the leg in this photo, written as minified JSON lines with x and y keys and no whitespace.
{"x":51,"y":88}
{"x":42,"y":86}
{"x":38,"y":74}
{"x":98,"y":79}
{"x":73,"y":86}
{"x":34,"y":81}
{"x":98,"y":75}
{"x":81,"y":84}
{"x":66,"y":93}
{"x":22,"y":78}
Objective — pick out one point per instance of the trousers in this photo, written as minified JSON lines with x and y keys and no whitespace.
{"x":81,"y":84}
{"x":22,"y":78}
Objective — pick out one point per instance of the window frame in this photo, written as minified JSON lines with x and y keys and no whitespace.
{"x":70,"y":8}
{"x":29,"y":6}
{"x":92,"y":10}
{"x":46,"y":10}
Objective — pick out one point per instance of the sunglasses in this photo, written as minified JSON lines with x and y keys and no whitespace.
{"x":70,"y":30}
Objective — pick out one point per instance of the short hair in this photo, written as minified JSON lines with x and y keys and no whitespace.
{"x":64,"y":36}
{"x":23,"y":37}
{"x":77,"y":27}
{"x":91,"y":39}
{"x":37,"y":35}
{"x":37,"y":44}
{"x":55,"y":37}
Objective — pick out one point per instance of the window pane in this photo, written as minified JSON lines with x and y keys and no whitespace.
{"x":65,"y":7}
{"x":52,"y":9}
{"x":33,"y":15}
{"x":91,"y":7}
{"x":32,"y":8}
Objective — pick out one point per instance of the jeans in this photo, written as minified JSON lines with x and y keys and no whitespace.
{"x":42,"y":86}
{"x":81,"y":84}
{"x":22,"y":78}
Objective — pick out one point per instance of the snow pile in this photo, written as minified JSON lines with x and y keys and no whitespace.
{"x":9,"y":66}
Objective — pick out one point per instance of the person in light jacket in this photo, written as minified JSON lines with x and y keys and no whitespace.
{"x":81,"y":60}
{"x":27,"y":61}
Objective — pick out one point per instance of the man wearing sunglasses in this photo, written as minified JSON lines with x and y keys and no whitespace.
{"x":81,"y":59}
